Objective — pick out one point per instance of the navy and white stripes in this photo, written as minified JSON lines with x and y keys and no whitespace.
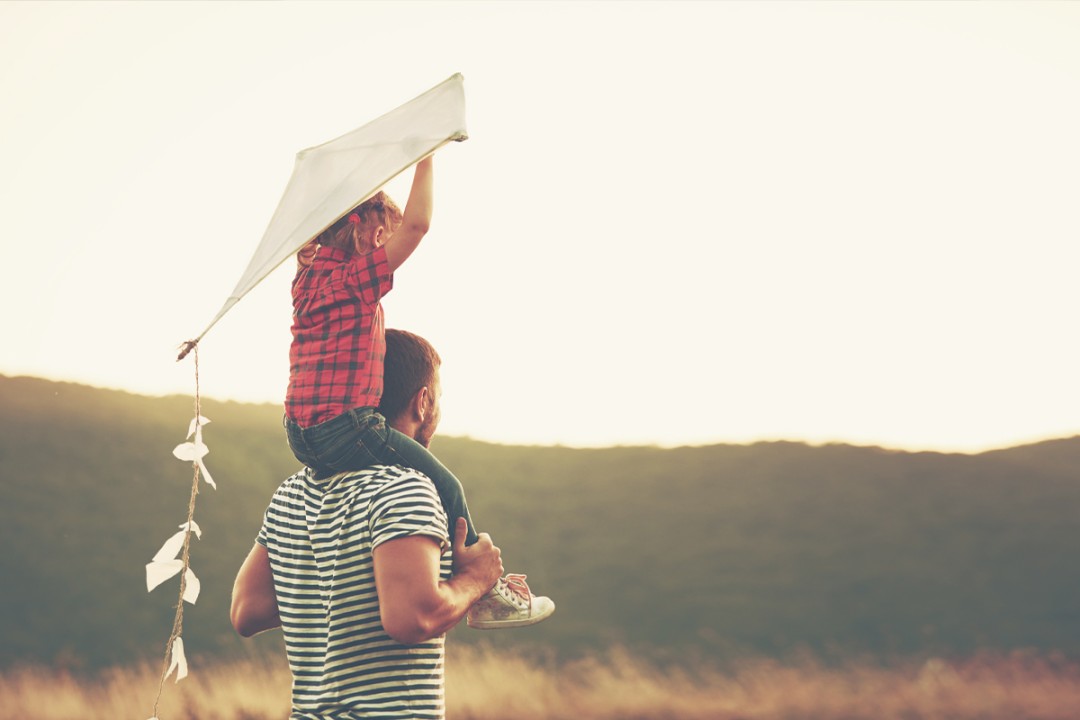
{"x":320,"y":536}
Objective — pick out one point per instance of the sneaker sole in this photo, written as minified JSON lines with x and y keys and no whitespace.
{"x":508,"y":624}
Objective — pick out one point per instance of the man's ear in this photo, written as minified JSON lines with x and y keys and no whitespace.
{"x":419,"y":404}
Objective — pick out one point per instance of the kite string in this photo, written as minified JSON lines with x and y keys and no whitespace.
{"x":178,"y":619}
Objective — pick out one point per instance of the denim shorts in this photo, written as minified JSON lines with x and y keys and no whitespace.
{"x":354,"y":440}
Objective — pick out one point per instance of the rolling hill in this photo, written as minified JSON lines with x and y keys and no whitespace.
{"x":720,"y":550}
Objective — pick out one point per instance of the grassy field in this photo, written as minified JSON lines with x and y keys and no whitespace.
{"x":483,"y":684}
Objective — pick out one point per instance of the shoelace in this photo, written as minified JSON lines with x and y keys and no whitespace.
{"x":518,"y":586}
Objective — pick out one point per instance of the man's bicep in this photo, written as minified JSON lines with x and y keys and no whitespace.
{"x":254,"y":604}
{"x":255,"y":578}
{"x":406,"y":578}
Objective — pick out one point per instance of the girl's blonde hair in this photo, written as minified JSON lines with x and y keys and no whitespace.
{"x":348,"y":232}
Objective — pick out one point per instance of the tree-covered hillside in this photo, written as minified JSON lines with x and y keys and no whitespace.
{"x":726,"y":549}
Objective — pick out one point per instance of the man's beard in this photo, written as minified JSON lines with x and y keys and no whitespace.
{"x":426,"y":431}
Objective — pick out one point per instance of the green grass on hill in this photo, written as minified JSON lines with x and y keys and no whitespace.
{"x":724,"y":549}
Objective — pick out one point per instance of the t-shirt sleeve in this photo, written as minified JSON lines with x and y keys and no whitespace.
{"x":408,"y":506}
{"x":261,"y":538}
{"x":369,"y":275}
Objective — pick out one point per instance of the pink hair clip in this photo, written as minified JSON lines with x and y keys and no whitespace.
{"x":354,"y":219}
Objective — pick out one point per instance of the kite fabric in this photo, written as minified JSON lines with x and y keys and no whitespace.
{"x":329,"y":180}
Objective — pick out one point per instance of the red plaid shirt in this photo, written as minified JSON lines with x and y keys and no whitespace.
{"x":336,"y":359}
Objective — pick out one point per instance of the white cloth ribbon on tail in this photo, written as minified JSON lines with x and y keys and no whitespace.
{"x":194,"y":450}
{"x":165,"y":564}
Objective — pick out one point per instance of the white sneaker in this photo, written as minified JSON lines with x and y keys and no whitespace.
{"x":509,"y":605}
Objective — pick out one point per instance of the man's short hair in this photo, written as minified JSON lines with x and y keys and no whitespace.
{"x":409,"y":365}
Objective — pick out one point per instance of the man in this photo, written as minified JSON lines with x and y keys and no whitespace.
{"x":353,"y":569}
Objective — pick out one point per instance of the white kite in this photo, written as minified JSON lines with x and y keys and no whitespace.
{"x":331,"y":179}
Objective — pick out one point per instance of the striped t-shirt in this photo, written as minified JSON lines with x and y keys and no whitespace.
{"x":320,"y":536}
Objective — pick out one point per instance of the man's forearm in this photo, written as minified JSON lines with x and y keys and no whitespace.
{"x":250,"y":620}
{"x":457,"y":595}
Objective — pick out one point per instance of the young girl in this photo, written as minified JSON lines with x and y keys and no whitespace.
{"x":336,"y":368}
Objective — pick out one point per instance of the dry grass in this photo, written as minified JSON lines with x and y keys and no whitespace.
{"x":620,"y":687}
{"x":249,"y":690}
{"x":485,"y":685}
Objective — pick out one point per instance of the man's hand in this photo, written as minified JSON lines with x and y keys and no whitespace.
{"x":480,"y":562}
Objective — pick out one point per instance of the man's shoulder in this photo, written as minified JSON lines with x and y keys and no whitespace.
{"x":381,"y":486}
{"x":384,"y":473}
{"x":383,"y":476}
{"x":298,"y":482}
{"x":374,"y":481}
{"x":404,"y":502}
{"x":371,"y":480}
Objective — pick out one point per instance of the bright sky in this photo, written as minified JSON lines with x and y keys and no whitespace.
{"x":672,"y":223}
